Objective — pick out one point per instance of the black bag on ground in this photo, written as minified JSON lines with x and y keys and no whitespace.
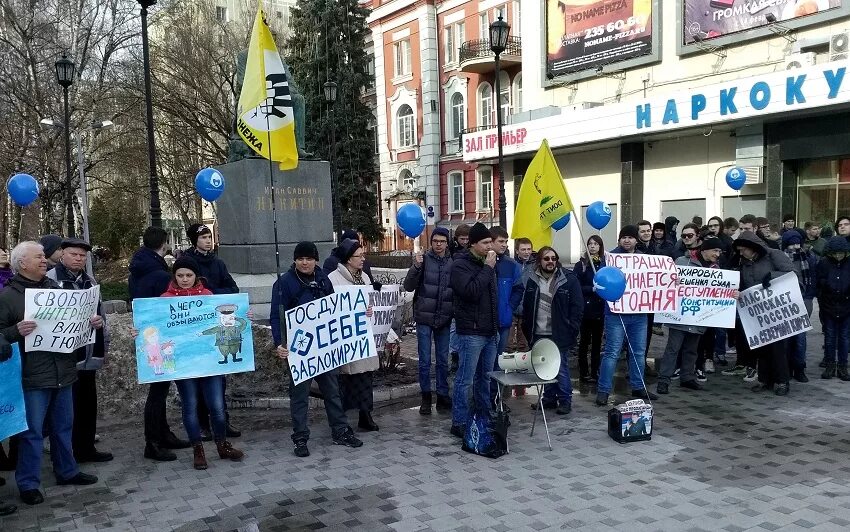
{"x":486,"y":436}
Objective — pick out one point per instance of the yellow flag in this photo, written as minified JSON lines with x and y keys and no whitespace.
{"x":542,"y":201}
{"x":265,"y":118}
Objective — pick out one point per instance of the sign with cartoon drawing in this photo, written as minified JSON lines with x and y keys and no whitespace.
{"x":188,"y":337}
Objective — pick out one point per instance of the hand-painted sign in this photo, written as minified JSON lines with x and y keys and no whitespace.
{"x":651,"y":283}
{"x":13,"y":416}
{"x":706,"y":298}
{"x":62,"y":318}
{"x":773,"y":313}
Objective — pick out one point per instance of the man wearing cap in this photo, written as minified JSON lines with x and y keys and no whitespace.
{"x":70,"y":274}
{"x":433,"y":302}
{"x":624,"y":328}
{"x":228,"y":333}
{"x":305,"y":282}
{"x":52,"y":245}
{"x":473,"y":282}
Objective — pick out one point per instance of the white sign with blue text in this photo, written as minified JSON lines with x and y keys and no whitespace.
{"x":706,"y":298}
{"x":329,"y":332}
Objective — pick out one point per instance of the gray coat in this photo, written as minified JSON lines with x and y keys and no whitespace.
{"x":769,"y":262}
{"x":433,"y":302}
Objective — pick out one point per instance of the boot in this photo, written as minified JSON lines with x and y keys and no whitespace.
{"x":170,"y":441}
{"x":829,"y":372}
{"x":227,"y":451}
{"x":425,"y":407}
{"x":367,"y":423}
{"x":444,"y":403}
{"x":156,"y":452}
{"x":800,"y":375}
{"x":200,"y":460}
{"x":842,"y":372}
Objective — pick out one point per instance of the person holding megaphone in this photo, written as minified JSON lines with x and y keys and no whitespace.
{"x":553,"y":306}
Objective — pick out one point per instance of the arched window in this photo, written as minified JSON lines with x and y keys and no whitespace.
{"x":485,"y":105}
{"x":404,"y":127}
{"x":517,"y":96}
{"x":458,"y":120}
{"x":406,"y":180}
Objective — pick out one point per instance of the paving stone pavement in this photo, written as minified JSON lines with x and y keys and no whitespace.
{"x":721,"y":459}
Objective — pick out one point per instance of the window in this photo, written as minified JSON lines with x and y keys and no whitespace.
{"x":402,"y":58}
{"x":517,"y":96}
{"x":404,"y":127}
{"x":485,"y":105}
{"x":483,"y":26}
{"x":456,"y":192}
{"x":221,"y":13}
{"x":370,"y":72}
{"x":505,"y":96}
{"x":407,"y":181}
{"x":455,"y":35}
{"x":485,"y":189}
{"x":515,"y":22}
{"x":373,"y":130}
{"x":458,"y":121}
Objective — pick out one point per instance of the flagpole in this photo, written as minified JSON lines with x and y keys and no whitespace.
{"x":274,"y":200}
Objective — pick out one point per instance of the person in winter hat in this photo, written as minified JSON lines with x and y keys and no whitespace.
{"x":52,"y":245}
{"x":833,"y":292}
{"x":806,"y":261}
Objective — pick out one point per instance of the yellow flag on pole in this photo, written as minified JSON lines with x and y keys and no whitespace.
{"x":265,"y":118}
{"x":542,"y":201}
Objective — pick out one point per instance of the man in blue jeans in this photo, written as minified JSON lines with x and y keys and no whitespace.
{"x":47,"y":379}
{"x":428,"y":278}
{"x":508,"y":292}
{"x":620,"y":328}
{"x":473,"y":281}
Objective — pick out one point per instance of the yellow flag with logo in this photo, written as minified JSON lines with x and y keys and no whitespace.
{"x":265,"y":118}
{"x":543,"y":199}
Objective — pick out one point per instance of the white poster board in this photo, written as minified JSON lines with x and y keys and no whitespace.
{"x":62,"y":318}
{"x":774,"y":313}
{"x":651,"y":282}
{"x":706,"y":298}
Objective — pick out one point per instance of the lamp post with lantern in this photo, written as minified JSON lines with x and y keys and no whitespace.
{"x":499,"y":31}
{"x":65,"y":70}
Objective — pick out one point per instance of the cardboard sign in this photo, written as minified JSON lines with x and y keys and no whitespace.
{"x":384,"y":304}
{"x":775,"y":313}
{"x":13,"y":415}
{"x":706,"y":298}
{"x":329,"y":332}
{"x":195,"y":336}
{"x":651,"y":283}
{"x":62,"y":318}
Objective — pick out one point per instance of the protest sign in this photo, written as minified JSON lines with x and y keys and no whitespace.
{"x":196,"y":336}
{"x":774,"y":313}
{"x":706,"y":298}
{"x":329,"y":332}
{"x":384,"y":303}
{"x":13,"y":416}
{"x":61,"y":317}
{"x":651,"y":282}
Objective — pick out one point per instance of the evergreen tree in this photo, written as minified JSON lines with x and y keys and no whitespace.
{"x":328,"y":43}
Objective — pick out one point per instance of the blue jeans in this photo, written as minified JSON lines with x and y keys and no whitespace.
{"x":477,"y":355}
{"x":836,"y":337}
{"x":424,"y":333}
{"x":719,"y":343}
{"x":620,"y":328}
{"x":563,"y":391}
{"x":504,"y":334}
{"x":797,"y":351}
{"x":56,"y":406}
{"x":213,"y":390}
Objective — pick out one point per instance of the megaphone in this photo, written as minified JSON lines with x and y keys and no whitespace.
{"x":544,"y":360}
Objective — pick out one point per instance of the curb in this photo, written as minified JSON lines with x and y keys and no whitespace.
{"x":380,"y":395}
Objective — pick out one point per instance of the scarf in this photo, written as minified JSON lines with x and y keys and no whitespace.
{"x":802,"y":258}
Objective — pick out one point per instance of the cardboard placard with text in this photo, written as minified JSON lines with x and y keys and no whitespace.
{"x":774,"y":313}
{"x":706,"y":298}
{"x":651,"y":283}
{"x":62,"y":318}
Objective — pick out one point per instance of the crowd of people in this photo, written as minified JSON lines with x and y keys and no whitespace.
{"x":472,"y":301}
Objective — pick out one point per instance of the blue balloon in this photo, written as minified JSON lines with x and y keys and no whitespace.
{"x":609,"y":283}
{"x":210,"y":184}
{"x":23,"y":189}
{"x":411,"y":219}
{"x":561,"y":222}
{"x":736,"y":178}
{"x":598,"y":214}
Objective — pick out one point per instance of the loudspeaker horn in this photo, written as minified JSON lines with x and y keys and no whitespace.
{"x":544,"y":360}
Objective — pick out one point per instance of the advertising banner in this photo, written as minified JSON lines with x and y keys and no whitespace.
{"x":706,"y":19}
{"x":584,"y":34}
{"x":651,"y":283}
{"x":62,"y":318}
{"x":706,"y":298}
{"x":13,"y":415}
{"x":774,"y":313}
{"x":195,"y":336}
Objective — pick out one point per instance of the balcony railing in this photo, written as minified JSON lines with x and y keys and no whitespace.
{"x":480,"y":48}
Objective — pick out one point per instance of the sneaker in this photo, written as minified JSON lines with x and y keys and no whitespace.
{"x":737,"y":371}
{"x":701,"y":375}
{"x":347,"y":438}
{"x":676,"y":374}
{"x":720,"y":360}
{"x":731,"y":351}
{"x":691,"y":385}
{"x":752,"y":375}
{"x":709,"y":367}
{"x":301,"y":450}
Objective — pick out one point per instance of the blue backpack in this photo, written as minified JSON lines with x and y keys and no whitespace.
{"x":485,"y":436}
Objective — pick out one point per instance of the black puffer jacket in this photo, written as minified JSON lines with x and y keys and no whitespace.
{"x":434,"y":300}
{"x":214,"y":271}
{"x":474,"y":286}
{"x":833,"y":280}
{"x":149,"y":274}
{"x":769,"y":262}
{"x":40,"y":369}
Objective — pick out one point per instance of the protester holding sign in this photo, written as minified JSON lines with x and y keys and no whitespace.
{"x":806,"y":261}
{"x":833,"y":287}
{"x":70,"y":274}
{"x":355,"y":378}
{"x":759,"y":265}
{"x":47,"y":377}
{"x":303,"y":283}
{"x":12,"y":415}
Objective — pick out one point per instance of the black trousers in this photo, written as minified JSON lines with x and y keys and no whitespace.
{"x":705,"y":348}
{"x":649,"y":324}
{"x":746,"y":356}
{"x":591,"y":335}
{"x":85,"y":412}
{"x":773,"y":363}
{"x":204,"y":412}
{"x":156,"y":422}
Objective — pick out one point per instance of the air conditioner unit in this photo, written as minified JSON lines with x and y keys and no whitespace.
{"x":755,"y":174}
{"x":839,"y":46}
{"x":794,"y":61}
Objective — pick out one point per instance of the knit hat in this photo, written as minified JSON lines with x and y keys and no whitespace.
{"x":628,"y":230}
{"x":50,"y":243}
{"x":441,"y":231}
{"x":305,"y":249}
{"x":478,"y":233}
{"x":348,"y":234}
{"x":346,"y":249}
{"x":196,"y":230}
{"x":76,"y":243}
{"x":837,"y":244}
{"x":711,"y":242}
{"x":659,"y":226}
{"x":791,"y":237}
{"x":187,"y":263}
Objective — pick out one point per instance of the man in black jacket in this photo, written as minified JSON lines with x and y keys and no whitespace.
{"x":47,"y":379}
{"x":473,"y":281}
{"x":149,"y":277}
{"x":432,"y":309}
{"x":70,"y":274}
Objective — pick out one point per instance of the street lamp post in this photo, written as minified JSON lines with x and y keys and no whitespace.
{"x":330,"y":90}
{"x":65,"y":77}
{"x":499,"y":31}
{"x":155,"y":210}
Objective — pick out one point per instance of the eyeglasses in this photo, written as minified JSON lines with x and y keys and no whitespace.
{"x":439,"y":241}
{"x":549,"y":259}
{"x":688,"y":235}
